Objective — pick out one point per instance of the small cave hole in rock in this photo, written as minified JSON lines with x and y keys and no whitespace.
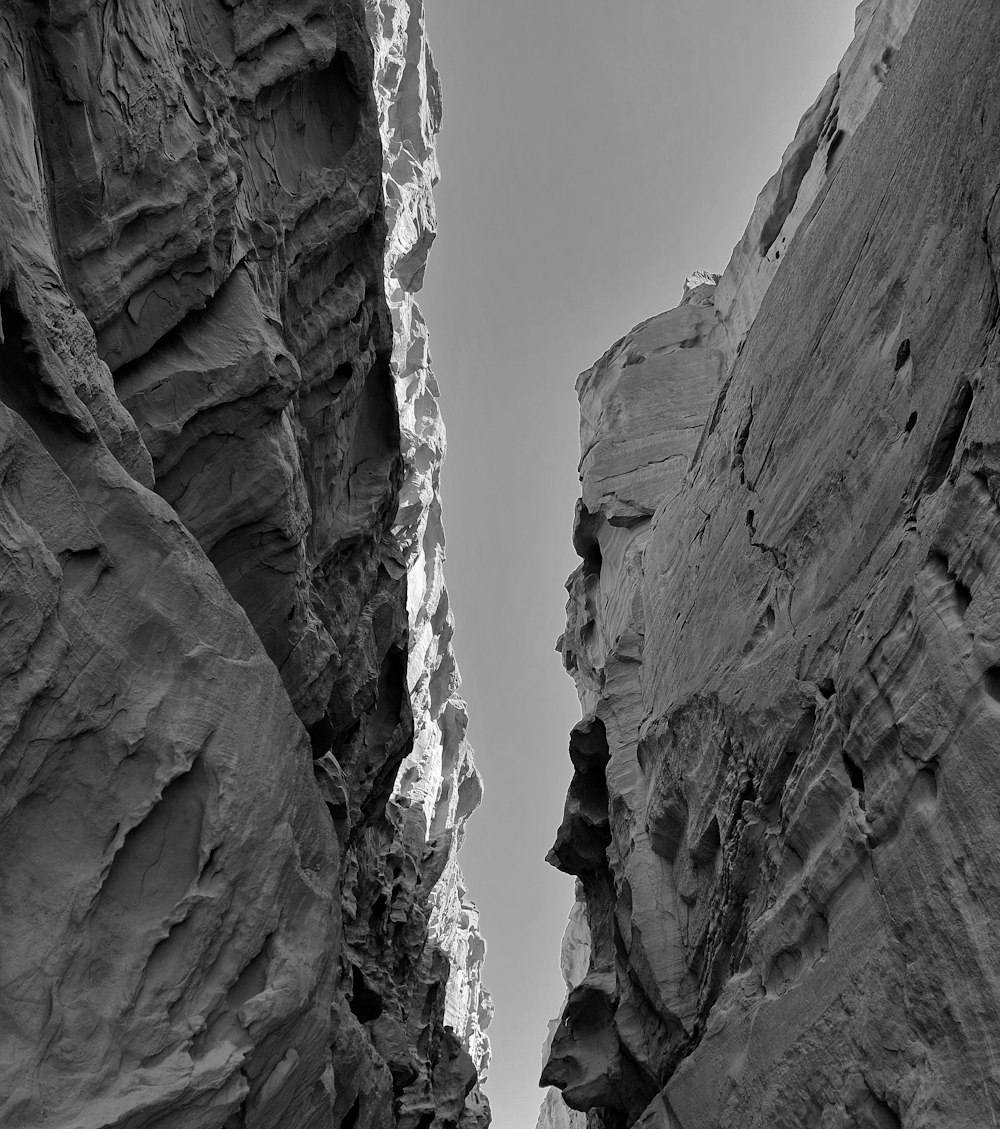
{"x":924,"y":788}
{"x":827,"y":687}
{"x":22,"y":384}
{"x":982,"y":480}
{"x":902,"y":356}
{"x":593,"y":561}
{"x":14,"y":367}
{"x":991,"y":682}
{"x":911,"y":422}
{"x":947,"y":439}
{"x":321,"y":737}
{"x":340,"y":379}
{"x":351,"y":1117}
{"x":366,"y":1003}
{"x":855,"y":774}
{"x":835,"y":148}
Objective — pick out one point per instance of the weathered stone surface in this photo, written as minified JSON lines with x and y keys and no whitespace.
{"x":212,"y":910}
{"x":574,"y":963}
{"x":439,"y":954}
{"x":642,"y":408}
{"x":792,"y":663}
{"x":822,"y":139}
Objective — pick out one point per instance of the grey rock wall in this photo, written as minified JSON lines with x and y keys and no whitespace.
{"x":210,"y":914}
{"x":783,"y":807}
{"x":437,"y":955}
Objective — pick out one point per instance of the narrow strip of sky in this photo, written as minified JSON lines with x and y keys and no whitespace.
{"x":593,"y":154}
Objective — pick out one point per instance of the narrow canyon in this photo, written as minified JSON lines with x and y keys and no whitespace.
{"x":234,"y":767}
{"x":785,"y":637}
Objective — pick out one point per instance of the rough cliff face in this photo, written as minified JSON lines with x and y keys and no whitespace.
{"x":784,"y":633}
{"x":217,"y":907}
{"x":437,"y":786}
{"x":574,"y":963}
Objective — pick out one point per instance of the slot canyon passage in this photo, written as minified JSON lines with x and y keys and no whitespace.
{"x":234,"y":765}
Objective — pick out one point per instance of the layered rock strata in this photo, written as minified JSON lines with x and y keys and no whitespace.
{"x":208,"y":666}
{"x":784,"y":634}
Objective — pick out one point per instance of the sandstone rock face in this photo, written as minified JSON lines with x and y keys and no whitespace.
{"x":437,"y":786}
{"x":574,"y":963}
{"x":822,"y":139}
{"x":784,"y":632}
{"x":214,"y":910}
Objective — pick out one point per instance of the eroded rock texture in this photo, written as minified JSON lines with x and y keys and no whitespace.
{"x":785,"y":636}
{"x":425,"y":955}
{"x":574,"y":963}
{"x":207,"y":663}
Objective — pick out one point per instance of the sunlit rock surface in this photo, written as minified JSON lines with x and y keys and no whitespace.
{"x":437,"y":787}
{"x":213,"y":912}
{"x":786,"y":636}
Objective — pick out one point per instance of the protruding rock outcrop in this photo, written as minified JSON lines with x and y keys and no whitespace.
{"x":215,"y":911}
{"x":783,"y":633}
{"x":574,"y":963}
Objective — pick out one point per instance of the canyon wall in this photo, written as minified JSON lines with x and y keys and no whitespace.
{"x":229,"y":895}
{"x":437,"y":786}
{"x":785,"y":634}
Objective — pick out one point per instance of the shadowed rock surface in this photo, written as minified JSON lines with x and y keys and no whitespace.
{"x":784,"y":633}
{"x":213,"y":909}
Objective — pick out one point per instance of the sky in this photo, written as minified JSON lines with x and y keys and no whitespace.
{"x":593,"y":155}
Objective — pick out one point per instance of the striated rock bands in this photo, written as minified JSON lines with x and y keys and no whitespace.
{"x":784,"y":636}
{"x":217,"y":908}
